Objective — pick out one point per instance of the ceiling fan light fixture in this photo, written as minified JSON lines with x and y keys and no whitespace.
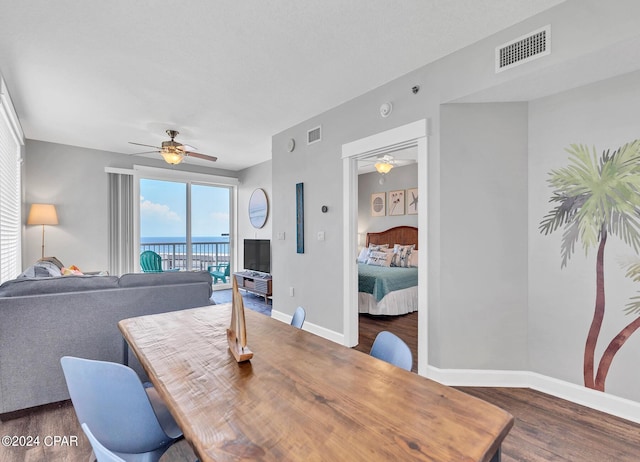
{"x":172,"y":156}
{"x":383,"y":167}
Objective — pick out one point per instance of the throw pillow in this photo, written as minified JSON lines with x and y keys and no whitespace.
{"x":379,"y":258}
{"x":401,"y":255}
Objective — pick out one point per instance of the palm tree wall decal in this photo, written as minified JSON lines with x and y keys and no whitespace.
{"x":597,"y":198}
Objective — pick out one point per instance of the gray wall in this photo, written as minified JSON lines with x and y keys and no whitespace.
{"x":258,"y":176}
{"x":602,"y":116}
{"x":75,"y":181}
{"x":581,"y":31}
{"x":484,"y":248}
{"x":399,"y":178}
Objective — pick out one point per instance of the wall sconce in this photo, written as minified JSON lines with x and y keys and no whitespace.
{"x":42,"y":214}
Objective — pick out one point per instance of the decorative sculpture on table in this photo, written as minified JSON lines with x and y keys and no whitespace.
{"x":237,"y":331}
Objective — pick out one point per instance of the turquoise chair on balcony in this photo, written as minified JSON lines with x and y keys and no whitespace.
{"x":151,"y":262}
{"x":220,"y":271}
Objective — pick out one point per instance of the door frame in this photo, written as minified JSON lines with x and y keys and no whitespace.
{"x":410,"y":135}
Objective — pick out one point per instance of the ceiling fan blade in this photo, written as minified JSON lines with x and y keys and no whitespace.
{"x":147,"y":145}
{"x":145,"y":152}
{"x":200,"y":156}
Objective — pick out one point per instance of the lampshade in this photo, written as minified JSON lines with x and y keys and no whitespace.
{"x":383,"y":167}
{"x":172,"y":156}
{"x":42,"y":214}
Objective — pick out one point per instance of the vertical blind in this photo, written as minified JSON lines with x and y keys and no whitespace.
{"x":10,"y":188}
{"x":121,"y":237}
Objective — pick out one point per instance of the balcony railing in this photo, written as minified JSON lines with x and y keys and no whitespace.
{"x":203,"y":254}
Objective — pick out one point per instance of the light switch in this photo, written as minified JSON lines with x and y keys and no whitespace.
{"x":321,"y":235}
{"x":281,"y":235}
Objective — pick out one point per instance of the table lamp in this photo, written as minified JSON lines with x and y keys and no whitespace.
{"x":42,"y":214}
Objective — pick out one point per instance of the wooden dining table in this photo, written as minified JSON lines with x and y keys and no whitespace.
{"x":302,"y":397}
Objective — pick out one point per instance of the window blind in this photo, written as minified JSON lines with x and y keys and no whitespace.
{"x":10,"y":189}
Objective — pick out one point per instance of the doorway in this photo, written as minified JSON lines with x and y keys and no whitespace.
{"x":407,"y":136}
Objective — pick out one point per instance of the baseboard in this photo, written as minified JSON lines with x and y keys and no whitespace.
{"x":336,"y":337}
{"x":614,"y":405}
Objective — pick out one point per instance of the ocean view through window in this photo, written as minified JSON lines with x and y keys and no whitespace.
{"x":186,"y":224}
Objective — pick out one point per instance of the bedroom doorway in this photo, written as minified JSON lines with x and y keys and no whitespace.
{"x":414,"y":136}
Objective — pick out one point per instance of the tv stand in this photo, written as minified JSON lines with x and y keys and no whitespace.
{"x":254,"y":282}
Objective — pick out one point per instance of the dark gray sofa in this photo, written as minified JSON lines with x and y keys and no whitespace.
{"x":42,"y":320}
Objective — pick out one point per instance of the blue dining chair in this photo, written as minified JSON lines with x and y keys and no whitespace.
{"x":392,"y":349}
{"x":102,"y":454}
{"x":128,"y":419}
{"x":298,"y":317}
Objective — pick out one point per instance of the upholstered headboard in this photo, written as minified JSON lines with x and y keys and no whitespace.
{"x":399,"y":235}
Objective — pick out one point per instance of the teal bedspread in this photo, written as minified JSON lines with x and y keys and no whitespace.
{"x":380,"y":280}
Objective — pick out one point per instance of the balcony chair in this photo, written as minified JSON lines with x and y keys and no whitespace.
{"x":298,"y":317}
{"x":220,"y":271}
{"x":151,"y":262}
{"x":392,"y":349}
{"x":128,"y":419}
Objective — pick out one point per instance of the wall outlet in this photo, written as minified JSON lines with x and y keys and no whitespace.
{"x":290,"y":291}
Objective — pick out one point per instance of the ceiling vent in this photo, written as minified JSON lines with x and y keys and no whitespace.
{"x":524,"y":49}
{"x":314,"y":135}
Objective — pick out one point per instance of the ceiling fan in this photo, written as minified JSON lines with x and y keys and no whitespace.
{"x":173,"y":152}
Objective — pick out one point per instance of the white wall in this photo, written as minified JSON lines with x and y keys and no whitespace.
{"x":561,"y":302}
{"x":75,"y":181}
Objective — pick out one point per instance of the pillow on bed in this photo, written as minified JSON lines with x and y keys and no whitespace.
{"x":379,"y":258}
{"x":364,"y":255}
{"x":413,"y":259}
{"x":401,"y":254}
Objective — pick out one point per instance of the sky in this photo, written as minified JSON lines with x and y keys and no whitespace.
{"x":163,"y":209}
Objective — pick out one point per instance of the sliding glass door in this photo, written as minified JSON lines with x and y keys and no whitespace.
{"x":187,"y":224}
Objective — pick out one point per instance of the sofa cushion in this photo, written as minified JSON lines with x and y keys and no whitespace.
{"x":37,"y":286}
{"x":157,"y":279}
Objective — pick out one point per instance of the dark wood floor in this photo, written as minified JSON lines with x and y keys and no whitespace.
{"x":546,"y":428}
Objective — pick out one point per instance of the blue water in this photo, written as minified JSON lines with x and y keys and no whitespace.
{"x":181,"y":240}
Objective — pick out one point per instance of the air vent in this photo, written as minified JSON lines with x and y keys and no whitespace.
{"x":314,"y":135}
{"x":524,"y":49}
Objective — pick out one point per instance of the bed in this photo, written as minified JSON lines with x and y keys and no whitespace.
{"x":389,"y":290}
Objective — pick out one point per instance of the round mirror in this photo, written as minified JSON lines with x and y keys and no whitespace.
{"x":258,"y":208}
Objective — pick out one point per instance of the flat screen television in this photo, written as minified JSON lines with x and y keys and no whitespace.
{"x":257,"y":255}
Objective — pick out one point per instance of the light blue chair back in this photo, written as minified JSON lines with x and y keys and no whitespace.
{"x":298,"y":317}
{"x":114,"y":404}
{"x":102,"y":454}
{"x":392,"y":349}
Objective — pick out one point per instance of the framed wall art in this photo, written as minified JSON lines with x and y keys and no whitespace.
{"x":396,"y":203}
{"x":378,"y":204}
{"x":412,"y":201}
{"x":300,"y":217}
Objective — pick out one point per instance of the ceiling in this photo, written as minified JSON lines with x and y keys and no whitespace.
{"x":227,"y":74}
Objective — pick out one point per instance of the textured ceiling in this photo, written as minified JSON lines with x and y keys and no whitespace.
{"x":226,"y":74}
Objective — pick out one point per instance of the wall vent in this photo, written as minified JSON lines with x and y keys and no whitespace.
{"x":314,"y":135}
{"x":524,"y":49}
